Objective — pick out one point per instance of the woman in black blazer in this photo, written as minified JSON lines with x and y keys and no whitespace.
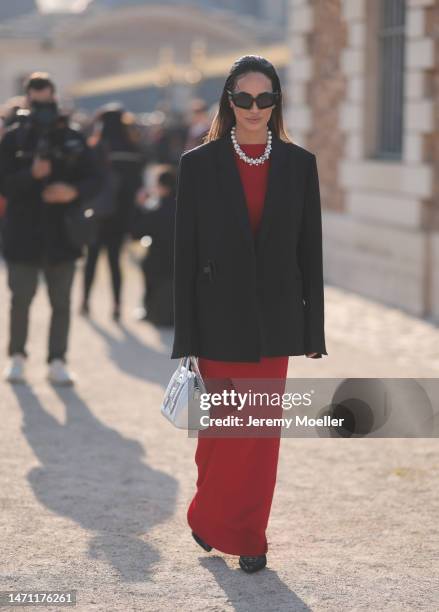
{"x":248,"y":289}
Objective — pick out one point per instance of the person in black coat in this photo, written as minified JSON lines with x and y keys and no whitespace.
{"x":46,"y":169}
{"x":237,"y":298}
{"x":116,"y":144}
{"x":249,"y":294}
{"x":158,"y":263}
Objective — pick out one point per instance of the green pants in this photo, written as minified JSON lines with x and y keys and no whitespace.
{"x":23,"y":281}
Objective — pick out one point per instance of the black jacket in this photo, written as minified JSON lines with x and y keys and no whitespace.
{"x":159,"y":224}
{"x":33,"y":229}
{"x":237,"y":298}
{"x":126,"y":160}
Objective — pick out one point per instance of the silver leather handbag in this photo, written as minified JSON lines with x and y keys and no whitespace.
{"x":181,"y":402}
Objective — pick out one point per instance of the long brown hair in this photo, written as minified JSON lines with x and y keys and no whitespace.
{"x":225,"y":118}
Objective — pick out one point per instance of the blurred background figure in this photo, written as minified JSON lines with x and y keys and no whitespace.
{"x":117,"y":144}
{"x":9,"y":111}
{"x":168,"y":135}
{"x":199,"y":124}
{"x":154,"y":226}
{"x":8,"y":116}
{"x":46,"y":170}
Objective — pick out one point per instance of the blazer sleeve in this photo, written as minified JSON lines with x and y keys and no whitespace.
{"x":310,"y":258}
{"x":185,"y":262}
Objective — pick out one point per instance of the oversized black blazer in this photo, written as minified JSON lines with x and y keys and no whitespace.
{"x":237,"y":298}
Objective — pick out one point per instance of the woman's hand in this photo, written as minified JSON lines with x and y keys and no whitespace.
{"x":141,"y":196}
{"x":59,"y":193}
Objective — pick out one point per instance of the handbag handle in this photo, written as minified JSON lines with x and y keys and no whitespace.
{"x":195,"y":368}
{"x":189,"y":359}
{"x":191,"y":362}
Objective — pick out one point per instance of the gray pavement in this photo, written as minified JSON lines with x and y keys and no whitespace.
{"x":95,"y":483}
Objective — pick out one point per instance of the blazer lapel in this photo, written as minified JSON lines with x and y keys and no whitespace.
{"x":231,"y":188}
{"x":277,"y":190}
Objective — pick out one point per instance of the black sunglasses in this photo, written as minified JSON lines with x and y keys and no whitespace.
{"x":242,"y":99}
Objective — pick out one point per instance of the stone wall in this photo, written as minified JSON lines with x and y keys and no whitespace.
{"x":379,"y":215}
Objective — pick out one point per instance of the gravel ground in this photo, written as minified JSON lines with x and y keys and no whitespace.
{"x":95,"y":483}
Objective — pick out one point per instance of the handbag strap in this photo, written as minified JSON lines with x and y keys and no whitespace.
{"x":194,"y":365}
{"x":185,"y":361}
{"x":190,"y":362}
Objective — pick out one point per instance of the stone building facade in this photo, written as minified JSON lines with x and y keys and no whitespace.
{"x":363,"y":86}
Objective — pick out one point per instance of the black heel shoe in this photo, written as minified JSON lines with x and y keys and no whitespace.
{"x":201,"y":542}
{"x":85,"y":309}
{"x":252,"y":564}
{"x":116,"y":313}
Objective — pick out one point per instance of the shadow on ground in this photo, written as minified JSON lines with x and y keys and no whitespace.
{"x":258,"y":592}
{"x":98,"y":478}
{"x":134,"y":357}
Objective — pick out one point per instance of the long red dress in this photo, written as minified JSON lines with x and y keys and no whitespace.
{"x":237,"y":476}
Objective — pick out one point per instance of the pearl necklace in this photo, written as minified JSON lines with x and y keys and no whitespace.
{"x":251,"y":160}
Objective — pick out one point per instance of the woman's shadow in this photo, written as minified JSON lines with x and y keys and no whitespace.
{"x":259,"y":592}
{"x":98,"y":478}
{"x":132,"y":356}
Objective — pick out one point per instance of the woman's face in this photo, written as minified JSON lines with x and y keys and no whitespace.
{"x":253,"y":119}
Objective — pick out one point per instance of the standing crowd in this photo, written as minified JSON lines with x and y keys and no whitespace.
{"x":73,"y":185}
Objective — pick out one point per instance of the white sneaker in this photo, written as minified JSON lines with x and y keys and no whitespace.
{"x":14,"y":370}
{"x":59,"y":374}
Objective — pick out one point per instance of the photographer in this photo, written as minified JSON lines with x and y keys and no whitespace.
{"x":46,"y":169}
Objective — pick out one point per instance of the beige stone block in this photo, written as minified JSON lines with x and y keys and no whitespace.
{"x":352,"y":61}
{"x":414,"y":84}
{"x":299,"y":137}
{"x":413,"y":147}
{"x":297,"y":94}
{"x":355,"y":89}
{"x":353,"y":9}
{"x":298,"y":46}
{"x":420,"y":53}
{"x":377,"y":261}
{"x":302,"y":18}
{"x":382,"y":207}
{"x":300,"y":116}
{"x":350,"y":116}
{"x":418,"y":116}
{"x":422,"y":3}
{"x":435,"y":277}
{"x":354,"y":146}
{"x":357,"y":34}
{"x":301,"y":69}
{"x":415,"y":22}
{"x":393,"y":177}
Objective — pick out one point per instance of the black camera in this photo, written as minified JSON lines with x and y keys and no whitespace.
{"x":46,"y":119}
{"x":44,"y":116}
